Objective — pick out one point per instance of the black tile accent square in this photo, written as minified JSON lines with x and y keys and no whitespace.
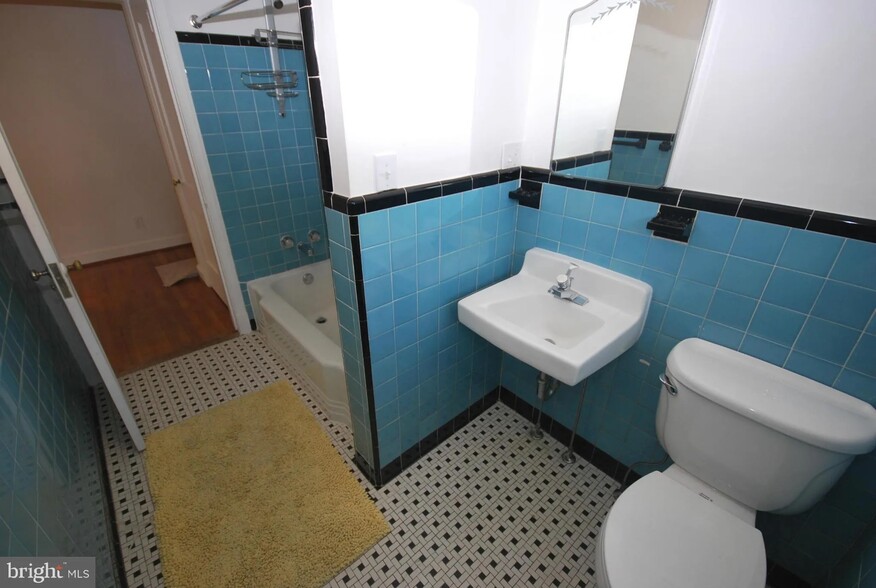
{"x":485,"y":179}
{"x":325,"y":164}
{"x":509,"y":175}
{"x":535,"y":174}
{"x":777,"y":214}
{"x":559,"y":179}
{"x":187,"y":37}
{"x":709,"y":202}
{"x":607,"y":187}
{"x":318,"y":109}
{"x":423,"y":192}
{"x":356,"y":205}
{"x":658,"y":195}
{"x":305,"y":13}
{"x":456,"y":186}
{"x":385,"y":199}
{"x":843,"y":226}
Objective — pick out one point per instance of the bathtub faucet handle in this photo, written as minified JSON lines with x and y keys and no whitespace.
{"x":287,"y":242}
{"x":313,"y":235}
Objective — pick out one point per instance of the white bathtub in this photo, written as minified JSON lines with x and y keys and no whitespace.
{"x":300,"y":323}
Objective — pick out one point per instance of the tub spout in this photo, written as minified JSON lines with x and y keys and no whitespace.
{"x":306,"y":248}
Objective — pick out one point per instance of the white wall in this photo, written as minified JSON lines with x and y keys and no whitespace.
{"x":782,"y":106}
{"x":594,"y":70}
{"x":440,"y":84}
{"x":664,"y":52}
{"x":76,"y":115}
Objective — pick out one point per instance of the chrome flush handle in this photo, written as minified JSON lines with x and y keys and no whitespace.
{"x":670,"y":387}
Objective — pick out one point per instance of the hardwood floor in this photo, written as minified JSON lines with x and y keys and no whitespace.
{"x":140,"y":322}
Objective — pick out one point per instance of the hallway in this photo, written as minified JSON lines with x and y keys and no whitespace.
{"x":140,"y":322}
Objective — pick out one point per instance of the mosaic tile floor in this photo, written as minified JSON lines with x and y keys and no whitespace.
{"x":487,"y":507}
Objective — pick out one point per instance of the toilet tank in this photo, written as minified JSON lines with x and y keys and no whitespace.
{"x":769,"y":438}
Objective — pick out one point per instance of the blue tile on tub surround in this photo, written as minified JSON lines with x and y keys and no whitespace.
{"x":747,"y":285}
{"x":270,"y":159}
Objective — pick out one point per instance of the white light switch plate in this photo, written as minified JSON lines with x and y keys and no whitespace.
{"x":511,"y":154}
{"x":385,"y":171}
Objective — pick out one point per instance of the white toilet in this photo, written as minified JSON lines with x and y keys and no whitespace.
{"x":744,"y":436}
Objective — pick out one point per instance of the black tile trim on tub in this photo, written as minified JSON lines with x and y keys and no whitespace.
{"x":410,"y":456}
{"x":574,"y":161}
{"x":234,"y":40}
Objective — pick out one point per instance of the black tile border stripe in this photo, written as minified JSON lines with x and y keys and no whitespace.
{"x":305,"y":13}
{"x":234,"y":40}
{"x":410,"y":456}
{"x":574,"y":161}
{"x":647,"y":135}
{"x":372,"y":469}
{"x":583,"y":448}
{"x":409,"y":195}
{"x":789,"y":216}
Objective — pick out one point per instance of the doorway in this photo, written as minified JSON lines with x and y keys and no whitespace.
{"x":90,"y":132}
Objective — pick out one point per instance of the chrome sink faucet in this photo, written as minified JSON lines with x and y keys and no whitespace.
{"x":563,"y":288}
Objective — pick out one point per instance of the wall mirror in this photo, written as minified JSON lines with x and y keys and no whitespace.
{"x":626,"y":71}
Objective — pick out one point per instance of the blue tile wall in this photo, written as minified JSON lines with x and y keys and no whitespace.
{"x":52,"y":499}
{"x":344,"y":280}
{"x":263,"y":166}
{"x":858,"y":567}
{"x":418,"y":260}
{"x":639,"y":166}
{"x":801,"y":300}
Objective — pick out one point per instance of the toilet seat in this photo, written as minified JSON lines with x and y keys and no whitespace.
{"x":662,"y":534}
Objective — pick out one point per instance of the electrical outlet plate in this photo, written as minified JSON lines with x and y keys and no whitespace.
{"x":385,"y":175}
{"x":511,"y":154}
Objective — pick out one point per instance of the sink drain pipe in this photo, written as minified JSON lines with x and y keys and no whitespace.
{"x":569,"y":455}
{"x":545,"y":388}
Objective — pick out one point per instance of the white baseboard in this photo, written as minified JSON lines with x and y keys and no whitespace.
{"x":125,"y":249}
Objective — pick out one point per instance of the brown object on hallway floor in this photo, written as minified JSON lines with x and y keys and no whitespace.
{"x":140,"y":322}
{"x":253,"y":493}
{"x":171,"y":273}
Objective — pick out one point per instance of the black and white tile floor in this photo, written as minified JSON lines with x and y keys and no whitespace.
{"x":488,"y":507}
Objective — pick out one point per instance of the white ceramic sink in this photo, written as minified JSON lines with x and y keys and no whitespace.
{"x":566,"y":341}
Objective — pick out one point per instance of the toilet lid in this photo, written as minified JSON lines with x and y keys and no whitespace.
{"x":661,"y":534}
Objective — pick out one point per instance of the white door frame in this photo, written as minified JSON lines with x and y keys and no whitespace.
{"x":160,"y":97}
{"x":175,"y":71}
{"x":37,"y":228}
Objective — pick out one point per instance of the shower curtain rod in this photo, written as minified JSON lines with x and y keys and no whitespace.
{"x":198,"y":21}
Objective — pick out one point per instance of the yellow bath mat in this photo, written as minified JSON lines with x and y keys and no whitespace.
{"x":252,"y":493}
